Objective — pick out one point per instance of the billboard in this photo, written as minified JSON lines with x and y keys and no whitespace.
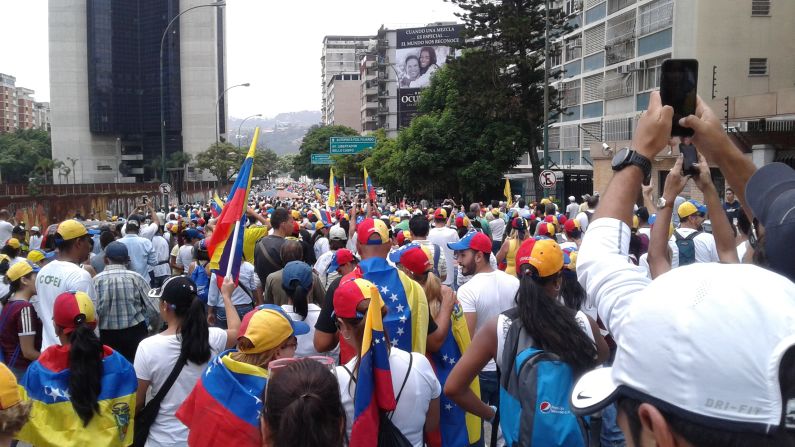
{"x":420,"y":52}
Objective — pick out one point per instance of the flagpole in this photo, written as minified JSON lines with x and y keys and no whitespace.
{"x":232,"y":249}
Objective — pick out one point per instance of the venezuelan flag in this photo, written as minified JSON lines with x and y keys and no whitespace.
{"x":332,"y":190}
{"x":252,"y":236}
{"x":225,"y":405}
{"x":226,"y":244}
{"x":374,"y":391}
{"x":216,"y":205}
{"x":337,"y":186}
{"x":53,"y":421}
{"x":456,"y":427}
{"x":369,"y":184}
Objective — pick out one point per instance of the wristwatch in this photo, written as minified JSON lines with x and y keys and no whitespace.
{"x":661,"y":203}
{"x":626,"y":157}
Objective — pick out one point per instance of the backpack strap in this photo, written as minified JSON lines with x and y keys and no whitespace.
{"x":678,"y":236}
{"x":436,"y":254}
{"x":405,"y":379}
{"x":692,"y":235}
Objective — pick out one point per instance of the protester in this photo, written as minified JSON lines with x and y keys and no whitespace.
{"x":20,"y":327}
{"x":5,"y":226}
{"x":187,"y":345}
{"x":267,"y":256}
{"x":731,"y":206}
{"x":247,"y":295}
{"x":497,"y":225}
{"x":325,"y":337}
{"x":585,"y":216}
{"x":14,"y":411}
{"x":419,"y":229}
{"x":510,"y":246}
{"x":161,"y":271}
{"x":88,"y":388}
{"x":185,"y":257}
{"x":297,"y":283}
{"x":338,"y":238}
{"x":573,"y":208}
{"x":142,"y":255}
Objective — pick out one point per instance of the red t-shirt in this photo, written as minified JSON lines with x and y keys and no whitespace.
{"x":19,"y":319}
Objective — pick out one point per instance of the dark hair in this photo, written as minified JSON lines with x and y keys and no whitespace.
{"x":410,"y":57}
{"x":432,"y":53}
{"x":743,"y":224}
{"x":419,"y":226}
{"x":729,"y":190}
{"x":105,"y":238}
{"x":300,"y":393}
{"x":199,"y":253}
{"x":549,"y":209}
{"x":298,"y":295}
{"x":702,"y":436}
{"x":551,"y":324}
{"x":85,"y":372}
{"x":571,"y":291}
{"x":634,"y":246}
{"x":279,"y":216}
{"x":593,"y":202}
{"x":335,"y":244}
{"x":291,"y":251}
{"x":532,"y":225}
{"x":193,"y":329}
{"x":10,"y":251}
{"x":521,"y":203}
{"x":643,"y":214}
{"x":345,"y":225}
{"x":462,"y":231}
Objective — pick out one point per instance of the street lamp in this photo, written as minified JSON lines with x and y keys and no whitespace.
{"x":162,"y":103}
{"x":241,"y":126}
{"x":218,"y":118}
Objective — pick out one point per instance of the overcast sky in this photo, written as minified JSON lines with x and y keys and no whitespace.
{"x":273,"y":44}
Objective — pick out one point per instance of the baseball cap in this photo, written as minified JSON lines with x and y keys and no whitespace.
{"x":296,"y":214}
{"x":403,"y":236}
{"x":571,"y":199}
{"x":518,"y":223}
{"x":177,"y":290}
{"x":440,"y":213}
{"x":337,"y":233}
{"x":474,"y":240}
{"x":672,"y":340}
{"x":462,"y":222}
{"x":319,"y":225}
{"x":34,"y":228}
{"x":21,"y":269}
{"x":369,"y":227}
{"x":72,"y":309}
{"x":9,"y":389}
{"x":71,"y":229}
{"x":545,"y":229}
{"x":267,"y":327}
{"x":495,"y":211}
{"x":571,"y":225}
{"x":193,"y":233}
{"x":37,"y":255}
{"x":544,"y":254}
{"x":771,"y":196}
{"x":116,"y":251}
{"x":395,"y":254}
{"x":349,"y":294}
{"x":13,"y":243}
{"x":690,"y":207}
{"x":297,"y":270}
{"x":416,"y":260}
{"x":340,"y":258}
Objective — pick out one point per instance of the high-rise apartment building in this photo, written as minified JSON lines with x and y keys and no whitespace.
{"x":105,"y":61}
{"x":25,"y":108}
{"x":18,"y":110}
{"x":340,"y":79}
{"x":41,"y":115}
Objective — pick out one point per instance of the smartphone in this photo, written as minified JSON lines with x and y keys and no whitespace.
{"x":689,"y":159}
{"x":678,"y":83}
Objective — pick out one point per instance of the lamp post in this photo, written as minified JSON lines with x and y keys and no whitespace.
{"x":241,"y":126}
{"x":162,"y":100}
{"x":218,"y":118}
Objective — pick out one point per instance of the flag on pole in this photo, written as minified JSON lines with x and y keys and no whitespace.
{"x":369,"y":184}
{"x":332,"y":190}
{"x":337,"y":187}
{"x":216,"y":205}
{"x":226,"y":244}
{"x":507,"y":192}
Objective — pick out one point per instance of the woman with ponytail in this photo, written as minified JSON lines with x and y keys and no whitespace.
{"x":83,"y":393}
{"x":555,"y":328}
{"x":297,"y":281}
{"x":511,"y":245}
{"x":20,"y":327}
{"x":188,"y":337}
{"x":302,"y":392}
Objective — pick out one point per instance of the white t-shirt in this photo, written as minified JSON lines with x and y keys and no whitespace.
{"x":321,"y":246}
{"x":321,"y":267}
{"x":306,"y":345}
{"x":487,"y":295}
{"x":54,"y":279}
{"x":160,"y":245}
{"x":742,"y":249}
{"x":422,"y":386}
{"x":706,"y":251}
{"x":504,"y":324}
{"x":154,"y":360}
{"x":248,"y":277}
{"x":440,"y":237}
{"x":185,"y":256}
{"x":35,"y":242}
{"x":6,"y":230}
{"x":497,"y":226}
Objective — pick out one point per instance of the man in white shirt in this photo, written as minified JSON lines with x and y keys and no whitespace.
{"x":585,"y":216}
{"x":691,"y":216}
{"x":5,"y":226}
{"x":419,"y":228}
{"x":142,"y":255}
{"x":161,"y":271}
{"x":63,"y":275}
{"x":35,"y":239}
{"x":483,"y":297}
{"x":497,"y":226}
{"x":442,"y":235}
{"x":573,"y":209}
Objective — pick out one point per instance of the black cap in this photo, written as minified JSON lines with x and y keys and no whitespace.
{"x":770,"y":194}
{"x":177,"y":290}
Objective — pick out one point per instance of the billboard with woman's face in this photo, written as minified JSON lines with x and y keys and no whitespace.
{"x":420,"y":52}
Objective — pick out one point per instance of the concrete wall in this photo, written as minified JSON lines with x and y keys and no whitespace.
{"x":347,"y":104}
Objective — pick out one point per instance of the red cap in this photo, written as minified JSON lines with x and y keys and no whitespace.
{"x":544,"y":254}
{"x":403,"y":236}
{"x":562,"y":219}
{"x":350,"y":293}
{"x":416,"y":260}
{"x":549,"y":218}
{"x":546,"y":229}
{"x":71,"y":309}
{"x":369,"y":227}
{"x":571,"y":225}
{"x":296,"y":229}
{"x":440,"y":213}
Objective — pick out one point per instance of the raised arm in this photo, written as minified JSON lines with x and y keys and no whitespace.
{"x":659,"y":260}
{"x":721,"y":228}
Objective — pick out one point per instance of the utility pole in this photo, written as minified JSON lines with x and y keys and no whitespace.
{"x":546,"y":90}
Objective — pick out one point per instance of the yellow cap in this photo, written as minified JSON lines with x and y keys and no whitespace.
{"x":9,"y":390}
{"x":296,"y":214}
{"x":13,"y":242}
{"x":35,"y":256}
{"x":20,"y":269}
{"x":71,"y":229}
{"x":686,"y":209}
{"x":544,"y":201}
{"x":635,"y":222}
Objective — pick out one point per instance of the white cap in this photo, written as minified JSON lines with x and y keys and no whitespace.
{"x":337,"y":233}
{"x":571,"y":199}
{"x":34,"y":228}
{"x":704,"y":342}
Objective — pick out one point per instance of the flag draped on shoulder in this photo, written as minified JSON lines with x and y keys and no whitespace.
{"x":216,"y":205}
{"x":54,"y":422}
{"x":507,"y":192}
{"x":374,"y":392}
{"x":225,"y":405}
{"x":332,"y":190}
{"x":226,"y":244}
{"x":368,"y":182}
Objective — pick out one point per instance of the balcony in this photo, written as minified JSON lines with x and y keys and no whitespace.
{"x":619,"y":52}
{"x":369,"y":105}
{"x":383,"y":110}
{"x":619,"y":87}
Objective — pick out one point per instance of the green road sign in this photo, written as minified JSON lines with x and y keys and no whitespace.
{"x":351,"y":145}
{"x":321,"y":159}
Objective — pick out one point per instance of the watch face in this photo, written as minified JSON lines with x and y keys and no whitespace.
{"x":620,"y":157}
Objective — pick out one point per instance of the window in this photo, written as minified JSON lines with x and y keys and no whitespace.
{"x":757,"y":66}
{"x":571,"y":94}
{"x":571,"y":137}
{"x":595,"y":39}
{"x":618,"y":129}
{"x":649,"y":75}
{"x":617,"y":5}
{"x":618,"y":85}
{"x":573,"y":48}
{"x":760,"y":7}
{"x":655,"y":16}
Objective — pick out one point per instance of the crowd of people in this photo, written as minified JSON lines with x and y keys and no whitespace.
{"x":488,"y":324}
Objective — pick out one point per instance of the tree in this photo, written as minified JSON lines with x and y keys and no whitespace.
{"x":316,"y":141}
{"x":175,"y":160}
{"x":21,"y":152}
{"x":265,"y":162}
{"x":221,"y":160}
{"x":510,"y":35}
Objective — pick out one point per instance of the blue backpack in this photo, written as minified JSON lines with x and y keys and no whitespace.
{"x":686,"y":247}
{"x":202,"y":280}
{"x":535,"y":390}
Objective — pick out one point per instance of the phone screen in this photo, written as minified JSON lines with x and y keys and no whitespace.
{"x":678,"y":84}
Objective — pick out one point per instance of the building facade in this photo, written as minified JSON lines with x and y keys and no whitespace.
{"x":41,"y":115}
{"x":340,"y":79}
{"x":18,"y":110}
{"x":105,"y":61}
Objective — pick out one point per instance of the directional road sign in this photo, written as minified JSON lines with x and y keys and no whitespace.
{"x":351,"y":145}
{"x":547,"y":179}
{"x":321,"y":159}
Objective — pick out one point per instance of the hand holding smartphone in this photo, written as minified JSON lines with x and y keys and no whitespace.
{"x":678,"y":89}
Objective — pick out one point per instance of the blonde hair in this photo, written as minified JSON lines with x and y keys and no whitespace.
{"x":12,"y":419}
{"x":260,"y":359}
{"x":433,"y":292}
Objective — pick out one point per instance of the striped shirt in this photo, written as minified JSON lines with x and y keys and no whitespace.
{"x":20,"y":320}
{"x":120,"y":297}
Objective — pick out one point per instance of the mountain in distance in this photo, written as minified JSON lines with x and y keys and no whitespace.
{"x":282,"y":133}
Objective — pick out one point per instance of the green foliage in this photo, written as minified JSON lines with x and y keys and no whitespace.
{"x":221,"y":160}
{"x":174,"y":160}
{"x":24,"y":154}
{"x":316,"y":141}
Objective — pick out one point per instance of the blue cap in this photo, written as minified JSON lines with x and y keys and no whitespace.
{"x":340,"y":257}
{"x":193,"y":233}
{"x":117,"y":251}
{"x":652,"y":219}
{"x":94,"y":231}
{"x":701,"y":208}
{"x":395,"y":255}
{"x":474,"y":240}
{"x":297,"y":270}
